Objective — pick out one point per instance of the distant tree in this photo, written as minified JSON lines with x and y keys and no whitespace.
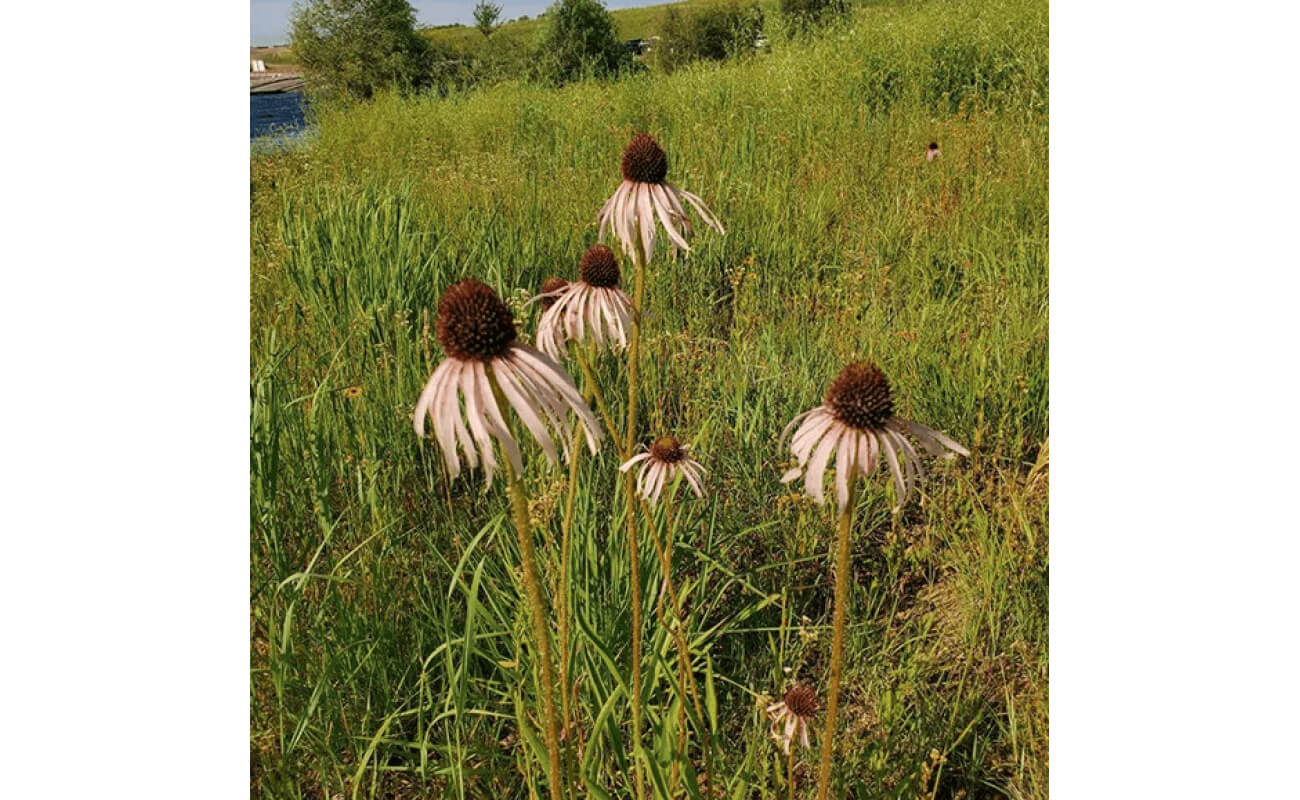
{"x":711,"y":32}
{"x":579,"y":38}
{"x":357,"y":47}
{"x":486,"y":15}
{"x":808,"y":13}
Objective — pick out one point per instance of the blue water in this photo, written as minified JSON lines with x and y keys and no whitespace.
{"x":279,"y":114}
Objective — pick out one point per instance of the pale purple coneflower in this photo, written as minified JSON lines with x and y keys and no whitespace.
{"x":643,"y":195}
{"x":790,"y":717}
{"x":660,"y":464}
{"x":477,"y":332}
{"x":856,"y":426}
{"x":592,"y":308}
{"x":932,"y":152}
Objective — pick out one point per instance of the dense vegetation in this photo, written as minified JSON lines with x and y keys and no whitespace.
{"x":713,"y":31}
{"x":389,"y":654}
{"x":358,"y":47}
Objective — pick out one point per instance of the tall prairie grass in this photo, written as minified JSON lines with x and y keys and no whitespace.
{"x":386,"y":617}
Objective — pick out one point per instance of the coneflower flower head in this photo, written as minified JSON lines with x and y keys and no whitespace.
{"x":932,"y":152}
{"x":599,"y":268}
{"x":860,"y":397}
{"x":477,"y":332}
{"x":551,"y":287}
{"x":856,"y":426}
{"x":645,"y":195}
{"x":644,"y":161}
{"x":593,"y":307}
{"x":790,"y":716}
{"x":473,"y":323}
{"x":660,"y":464}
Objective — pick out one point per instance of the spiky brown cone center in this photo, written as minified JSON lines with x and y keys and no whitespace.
{"x":644,"y":160}
{"x":667,"y":449}
{"x":802,"y":701}
{"x":598,"y":267}
{"x":473,"y":323}
{"x":551,"y":286}
{"x":860,"y":398}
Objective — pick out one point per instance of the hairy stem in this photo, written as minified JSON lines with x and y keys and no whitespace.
{"x":685,"y":674}
{"x":837,"y":642}
{"x":519,"y":508}
{"x":789,"y":773}
{"x":562,"y":599}
{"x":592,"y":388}
{"x":629,"y":491}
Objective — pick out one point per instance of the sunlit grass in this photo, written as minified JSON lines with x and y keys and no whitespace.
{"x":386,"y":614}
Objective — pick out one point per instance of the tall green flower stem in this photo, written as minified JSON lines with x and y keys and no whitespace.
{"x":592,"y":389}
{"x":837,"y":639}
{"x":562,"y":596}
{"x":789,"y":774}
{"x":639,"y":259}
{"x":685,"y":675}
{"x":519,"y":507}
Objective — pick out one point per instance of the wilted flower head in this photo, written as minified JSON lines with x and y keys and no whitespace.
{"x":477,"y":332}
{"x":790,"y":717}
{"x":643,"y":195}
{"x":855,"y":426}
{"x":592,"y":308}
{"x":660,"y":464}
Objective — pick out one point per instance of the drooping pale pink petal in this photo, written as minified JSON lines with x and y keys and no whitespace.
{"x":790,"y":426}
{"x":540,"y":383}
{"x":922,"y":432}
{"x":664,"y":209}
{"x":702,"y":210}
{"x":563,"y":384}
{"x":663,"y":477}
{"x":679,"y":212}
{"x":624,"y":209}
{"x":426,"y":398}
{"x":540,"y":391}
{"x":843,"y":466}
{"x":899,"y":483}
{"x":549,"y":336}
{"x":909,"y":455}
{"x":817,"y":463}
{"x":693,"y":479}
{"x":649,"y":473}
{"x":523,"y":406}
{"x":428,"y":406}
{"x":604,"y":215}
{"x":813,"y":430}
{"x":495,"y":421}
{"x":791,"y":723}
{"x":469,"y":387}
{"x":864,"y":463}
{"x":626,"y":465}
{"x":646,"y":219}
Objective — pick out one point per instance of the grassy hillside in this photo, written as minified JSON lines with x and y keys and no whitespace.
{"x":389,"y":654}
{"x":633,"y":23}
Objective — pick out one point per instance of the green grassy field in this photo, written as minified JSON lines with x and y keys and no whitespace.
{"x":390,"y":653}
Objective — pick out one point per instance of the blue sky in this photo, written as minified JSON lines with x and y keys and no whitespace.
{"x":270,"y":18}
